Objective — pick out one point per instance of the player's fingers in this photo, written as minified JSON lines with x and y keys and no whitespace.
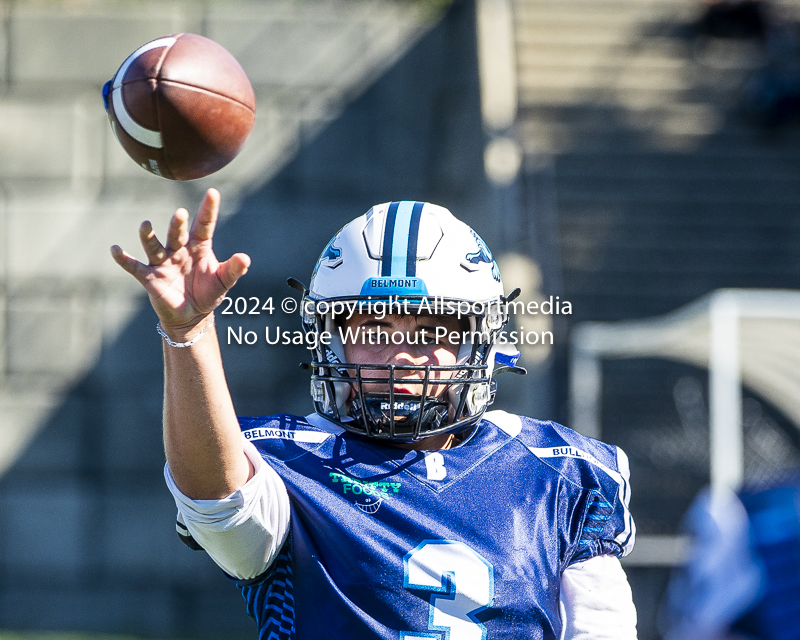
{"x":206,"y":220}
{"x":233,"y":269}
{"x":156,"y":254}
{"x":178,"y":232}
{"x":129,"y":263}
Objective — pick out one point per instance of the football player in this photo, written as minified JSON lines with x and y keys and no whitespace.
{"x":400,"y":508}
{"x":741,"y":579}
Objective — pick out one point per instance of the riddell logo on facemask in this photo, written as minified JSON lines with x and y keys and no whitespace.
{"x":400,"y":406}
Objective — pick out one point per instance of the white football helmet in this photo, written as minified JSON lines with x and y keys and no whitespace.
{"x":421,"y":256}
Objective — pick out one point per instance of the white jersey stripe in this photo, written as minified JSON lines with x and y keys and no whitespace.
{"x":630,"y":525}
{"x":626,"y":537}
{"x":263,"y":433}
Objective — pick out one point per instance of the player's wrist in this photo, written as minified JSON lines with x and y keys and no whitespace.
{"x":185,"y":334}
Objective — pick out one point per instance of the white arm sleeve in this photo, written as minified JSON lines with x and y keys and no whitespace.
{"x":243,"y":532}
{"x":596,"y":601}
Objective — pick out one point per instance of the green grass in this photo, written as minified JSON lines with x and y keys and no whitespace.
{"x":63,"y":635}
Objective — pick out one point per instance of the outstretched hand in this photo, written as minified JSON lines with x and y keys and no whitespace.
{"x":184,"y":279}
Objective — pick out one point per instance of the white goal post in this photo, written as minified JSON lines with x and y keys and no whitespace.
{"x":743,"y":336}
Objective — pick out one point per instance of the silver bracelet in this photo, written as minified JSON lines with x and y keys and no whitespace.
{"x":182,"y":345}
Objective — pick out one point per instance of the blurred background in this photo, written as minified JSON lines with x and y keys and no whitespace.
{"x":632,"y":157}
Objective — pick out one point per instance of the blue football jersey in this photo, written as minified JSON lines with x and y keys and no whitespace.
{"x":467,"y":543}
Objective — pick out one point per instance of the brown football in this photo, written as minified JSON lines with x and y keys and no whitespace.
{"x":181,"y":106}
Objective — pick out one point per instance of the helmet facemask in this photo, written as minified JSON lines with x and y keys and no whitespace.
{"x":448,"y":398}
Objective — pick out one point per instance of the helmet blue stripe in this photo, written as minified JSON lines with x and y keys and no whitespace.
{"x":400,"y":241}
{"x":388,"y":238}
{"x":413,"y":234}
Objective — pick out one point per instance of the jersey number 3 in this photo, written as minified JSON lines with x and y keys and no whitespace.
{"x":462,"y":582}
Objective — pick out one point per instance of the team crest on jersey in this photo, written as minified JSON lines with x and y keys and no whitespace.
{"x":367,"y":496}
{"x":483,"y":254}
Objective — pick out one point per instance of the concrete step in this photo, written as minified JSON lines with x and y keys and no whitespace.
{"x":759,"y":237}
{"x":676,"y":188}
{"x":592,"y":118}
{"x":621,"y":107}
{"x":643,"y":195}
{"x":672,"y":135}
{"x":566,"y":38}
{"x":608,"y":20}
{"x":711,"y":240}
{"x":722,"y":99}
{"x":612,"y":266}
{"x":668,"y":79}
{"x":546,"y":52}
{"x":665,"y":57}
{"x":643,"y":6}
{"x":756,"y":167}
{"x":603,"y":62}
{"x":556,"y":7}
{"x":628,"y":291}
{"x":689,"y":217}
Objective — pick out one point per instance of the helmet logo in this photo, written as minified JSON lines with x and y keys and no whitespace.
{"x":483,"y":254}
{"x":331,"y":257}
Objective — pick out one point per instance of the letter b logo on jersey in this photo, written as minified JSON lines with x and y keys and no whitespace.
{"x":435,"y":464}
